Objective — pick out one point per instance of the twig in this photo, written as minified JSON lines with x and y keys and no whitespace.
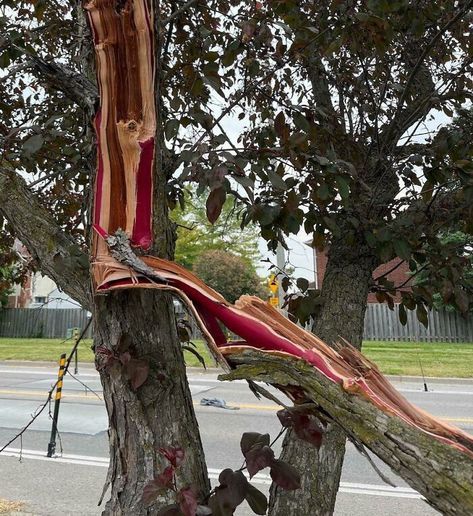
{"x":120,"y":248}
{"x":85,"y":385}
{"x":179,"y":11}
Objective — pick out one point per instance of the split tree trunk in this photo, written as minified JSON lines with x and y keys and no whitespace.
{"x":345,"y":291}
{"x":159,"y":413}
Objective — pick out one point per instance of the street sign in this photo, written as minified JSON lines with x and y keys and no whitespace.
{"x":274,"y":301}
{"x":273,"y":284}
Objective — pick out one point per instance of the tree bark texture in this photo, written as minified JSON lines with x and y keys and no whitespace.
{"x":159,"y":414}
{"x":442,"y":473}
{"x":345,"y":291}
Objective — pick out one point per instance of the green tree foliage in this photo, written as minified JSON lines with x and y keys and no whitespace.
{"x":456,"y":248}
{"x":229,"y":274}
{"x":196,"y":234}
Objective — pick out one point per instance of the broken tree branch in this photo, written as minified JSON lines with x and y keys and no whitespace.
{"x":440,"y":472}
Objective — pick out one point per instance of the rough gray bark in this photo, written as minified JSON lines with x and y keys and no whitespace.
{"x":440,"y":472}
{"x":345,"y":290}
{"x":160,"y":413}
{"x":57,"y":254}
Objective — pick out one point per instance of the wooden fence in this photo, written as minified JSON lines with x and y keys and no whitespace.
{"x":380,"y":324}
{"x":42,"y":322}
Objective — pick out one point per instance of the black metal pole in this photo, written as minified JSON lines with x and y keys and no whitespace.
{"x":57,"y":402}
{"x":76,"y":360}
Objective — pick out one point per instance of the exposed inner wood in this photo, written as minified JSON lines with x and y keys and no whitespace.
{"x":125,"y":122}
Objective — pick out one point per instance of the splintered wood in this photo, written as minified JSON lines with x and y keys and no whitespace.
{"x":125,"y":124}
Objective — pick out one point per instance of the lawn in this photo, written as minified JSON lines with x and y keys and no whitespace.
{"x":403,"y":358}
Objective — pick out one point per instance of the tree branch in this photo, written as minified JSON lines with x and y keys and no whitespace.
{"x":58,"y":255}
{"x":179,"y":11}
{"x":76,"y":87}
{"x":403,"y":118}
{"x":438,"y":470}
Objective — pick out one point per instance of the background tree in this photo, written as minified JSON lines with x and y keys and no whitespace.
{"x":453,"y":295}
{"x":229,"y":274}
{"x":195,"y":234}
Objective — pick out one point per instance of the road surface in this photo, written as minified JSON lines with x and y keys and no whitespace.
{"x":72,"y":483}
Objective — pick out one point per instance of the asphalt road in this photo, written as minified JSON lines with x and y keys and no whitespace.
{"x":72,"y":483}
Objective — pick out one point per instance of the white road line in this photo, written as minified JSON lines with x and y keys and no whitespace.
{"x":51,"y":373}
{"x":260,"y":478}
{"x":205,"y":380}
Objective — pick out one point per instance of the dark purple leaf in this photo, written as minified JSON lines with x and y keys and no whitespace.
{"x":109,"y":357}
{"x":285,"y":475}
{"x":187,"y":501}
{"x":124,"y":357}
{"x":250,"y":439}
{"x":256,"y":500}
{"x":174,"y":455}
{"x":461,"y":300}
{"x":306,"y":426}
{"x":158,"y":485}
{"x":258,"y":454}
{"x":232,"y":490}
{"x":258,"y":458}
{"x":137,"y":372}
{"x":215,"y":202}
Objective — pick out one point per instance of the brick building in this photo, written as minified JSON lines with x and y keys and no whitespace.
{"x":398,"y":275}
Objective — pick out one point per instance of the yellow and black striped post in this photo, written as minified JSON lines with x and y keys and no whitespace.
{"x":57,"y":401}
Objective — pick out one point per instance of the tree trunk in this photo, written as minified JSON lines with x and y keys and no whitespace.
{"x":159,"y":413}
{"x":345,"y":291}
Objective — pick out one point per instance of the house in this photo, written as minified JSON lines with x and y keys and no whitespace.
{"x":396,"y":271}
{"x":37,"y":291}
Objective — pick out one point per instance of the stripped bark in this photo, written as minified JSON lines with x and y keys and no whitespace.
{"x":443,"y":474}
{"x":130,"y":196}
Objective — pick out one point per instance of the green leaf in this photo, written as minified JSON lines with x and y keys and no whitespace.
{"x":301,"y":122}
{"x":172,"y":127}
{"x":343,"y":187}
{"x":276,"y":180}
{"x":33,"y":144}
{"x":402,"y":249}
